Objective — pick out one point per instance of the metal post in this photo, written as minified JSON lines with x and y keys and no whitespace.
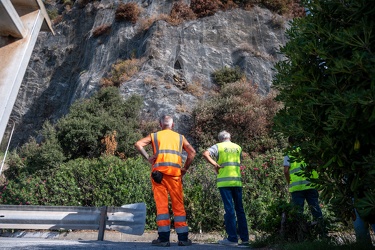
{"x":6,"y":151}
{"x":102,"y":222}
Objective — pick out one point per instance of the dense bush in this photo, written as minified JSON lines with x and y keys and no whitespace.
{"x":128,"y":12}
{"x":242,"y":112}
{"x":111,"y":181}
{"x":107,"y":181}
{"x":203,"y":202}
{"x":227,"y":75}
{"x":33,"y":156}
{"x":81,"y":131}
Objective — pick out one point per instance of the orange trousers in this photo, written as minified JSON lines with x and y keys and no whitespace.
{"x":171,"y":185}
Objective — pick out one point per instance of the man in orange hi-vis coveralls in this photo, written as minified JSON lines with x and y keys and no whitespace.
{"x":166,"y":173}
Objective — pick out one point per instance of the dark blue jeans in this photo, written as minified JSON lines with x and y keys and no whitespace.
{"x":311,"y":196}
{"x":232,"y":199}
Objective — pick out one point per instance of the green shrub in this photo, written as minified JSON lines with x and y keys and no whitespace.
{"x":107,"y":181}
{"x":81,"y":131}
{"x":227,"y":75}
{"x":53,"y":13}
{"x":204,"y":207}
{"x":263,"y":184}
{"x":34,"y":156}
{"x":128,"y":12}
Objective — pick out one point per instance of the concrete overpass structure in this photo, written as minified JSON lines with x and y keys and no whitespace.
{"x":20,"y":23}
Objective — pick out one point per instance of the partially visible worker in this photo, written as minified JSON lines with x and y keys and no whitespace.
{"x":301,"y":188}
{"x":227,"y":167}
{"x":166,"y":173}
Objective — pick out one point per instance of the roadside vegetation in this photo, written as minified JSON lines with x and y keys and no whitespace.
{"x":322,"y":96}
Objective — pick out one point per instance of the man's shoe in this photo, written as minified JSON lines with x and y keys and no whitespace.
{"x":160,"y":243}
{"x":226,"y":242}
{"x":185,"y":243}
{"x":244,"y":244}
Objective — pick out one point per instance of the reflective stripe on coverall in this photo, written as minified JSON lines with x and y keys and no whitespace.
{"x":167,"y":146}
{"x":229,"y":157}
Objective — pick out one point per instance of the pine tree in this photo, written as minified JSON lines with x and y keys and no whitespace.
{"x":327,"y":86}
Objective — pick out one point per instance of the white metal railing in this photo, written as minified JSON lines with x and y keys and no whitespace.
{"x":129,"y":219}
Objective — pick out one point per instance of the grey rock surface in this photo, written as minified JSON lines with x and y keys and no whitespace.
{"x":177,"y":61}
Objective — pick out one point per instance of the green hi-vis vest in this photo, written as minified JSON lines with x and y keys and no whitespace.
{"x":229,"y":158}
{"x":299,"y":182}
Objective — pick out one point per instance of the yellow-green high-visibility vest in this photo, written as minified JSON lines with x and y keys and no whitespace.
{"x":229,"y":157}
{"x":299,"y":182}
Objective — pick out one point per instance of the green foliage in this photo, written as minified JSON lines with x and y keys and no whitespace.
{"x":33,"y":156}
{"x":114,"y":182}
{"x":227,"y":75}
{"x":327,"y":86}
{"x":204,"y":207}
{"x":97,"y":182}
{"x":128,"y":12}
{"x":89,"y":121}
{"x":263,"y":185}
{"x":325,"y":244}
{"x":53,"y":13}
{"x":242,"y":112}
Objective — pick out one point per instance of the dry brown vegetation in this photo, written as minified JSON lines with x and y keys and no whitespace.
{"x":121,"y":72}
{"x":128,"y":12}
{"x":101,"y":30}
{"x":181,"y":12}
{"x":203,"y":8}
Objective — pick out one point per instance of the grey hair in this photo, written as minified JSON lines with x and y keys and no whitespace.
{"x":223,"y":135}
{"x":166,"y":121}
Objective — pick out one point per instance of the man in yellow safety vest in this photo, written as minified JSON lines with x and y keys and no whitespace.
{"x":229,"y":182}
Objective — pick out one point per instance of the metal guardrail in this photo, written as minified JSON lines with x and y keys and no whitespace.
{"x":129,"y":219}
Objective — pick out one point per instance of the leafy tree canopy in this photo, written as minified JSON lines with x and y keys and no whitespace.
{"x":327,"y":84}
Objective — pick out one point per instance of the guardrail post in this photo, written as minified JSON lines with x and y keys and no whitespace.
{"x":102,"y":222}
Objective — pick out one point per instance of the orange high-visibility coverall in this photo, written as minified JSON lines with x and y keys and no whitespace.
{"x":167,"y":146}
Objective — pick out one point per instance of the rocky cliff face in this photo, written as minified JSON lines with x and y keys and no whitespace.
{"x":177,"y":60}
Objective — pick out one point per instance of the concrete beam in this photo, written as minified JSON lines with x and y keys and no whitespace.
{"x":10,"y":22}
{"x":28,"y":17}
{"x":14,"y":60}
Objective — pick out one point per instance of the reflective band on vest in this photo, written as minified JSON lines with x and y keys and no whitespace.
{"x":167,"y":146}
{"x":229,"y":157}
{"x":299,"y":182}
